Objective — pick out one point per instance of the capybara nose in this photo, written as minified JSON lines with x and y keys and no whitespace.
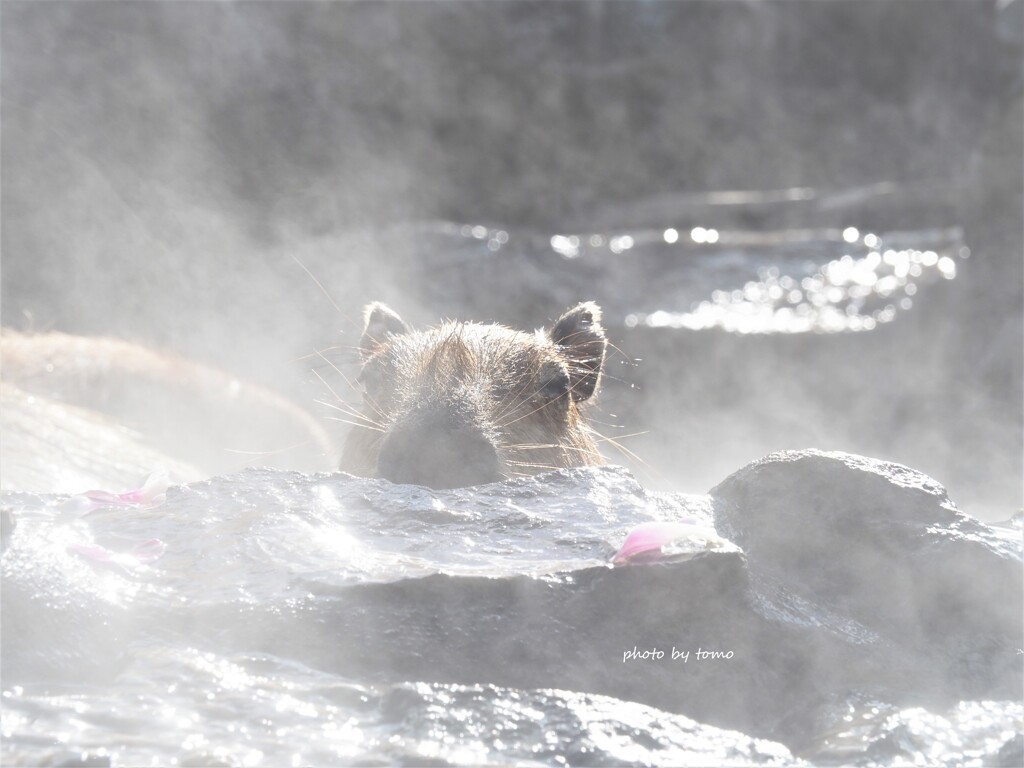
{"x":438,"y":456}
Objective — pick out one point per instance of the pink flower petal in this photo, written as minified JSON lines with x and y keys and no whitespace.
{"x":645,"y":541}
{"x":151,"y":494}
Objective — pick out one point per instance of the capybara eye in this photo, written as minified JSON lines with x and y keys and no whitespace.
{"x":370,"y":380}
{"x":466,"y":403}
{"x":554,"y":385}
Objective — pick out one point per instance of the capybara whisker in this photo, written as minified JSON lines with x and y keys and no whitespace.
{"x":602,"y":439}
{"x":546,"y":447}
{"x":622,"y":449}
{"x":359,"y":424}
{"x":541,"y":467}
{"x":366,"y":400}
{"x":457,"y":402}
{"x":359,"y":418}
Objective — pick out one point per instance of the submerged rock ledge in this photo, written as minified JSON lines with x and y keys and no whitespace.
{"x":846,"y":577}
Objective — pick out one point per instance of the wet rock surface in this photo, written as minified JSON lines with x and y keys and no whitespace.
{"x":845,"y":580}
{"x":358,"y":724}
{"x":882,"y":546}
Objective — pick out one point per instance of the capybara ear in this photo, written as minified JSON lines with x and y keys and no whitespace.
{"x":380,"y":321}
{"x":581,"y":339}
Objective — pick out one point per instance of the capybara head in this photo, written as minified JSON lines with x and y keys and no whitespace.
{"x":465,"y":403}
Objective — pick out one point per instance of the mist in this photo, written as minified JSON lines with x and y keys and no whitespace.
{"x":229,"y":184}
{"x":172,"y":175}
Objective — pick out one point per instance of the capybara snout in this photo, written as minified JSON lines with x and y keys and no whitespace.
{"x":467,"y":403}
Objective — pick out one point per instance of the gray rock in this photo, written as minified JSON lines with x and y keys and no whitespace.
{"x":855,"y":575}
{"x":882,"y":545}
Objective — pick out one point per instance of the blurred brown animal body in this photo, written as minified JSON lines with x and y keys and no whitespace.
{"x":79,"y":407}
{"x":466,"y":403}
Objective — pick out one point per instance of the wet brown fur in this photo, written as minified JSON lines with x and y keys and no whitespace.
{"x":509,"y":382}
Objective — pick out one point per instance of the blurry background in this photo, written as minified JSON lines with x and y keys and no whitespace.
{"x":170,"y":171}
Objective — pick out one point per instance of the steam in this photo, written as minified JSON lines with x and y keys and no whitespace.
{"x":234,"y":181}
{"x":803,"y":224}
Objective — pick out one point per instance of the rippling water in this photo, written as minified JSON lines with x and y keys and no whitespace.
{"x":787,"y":281}
{"x":190,"y":708}
{"x":275,"y":618}
{"x":263,"y":631}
